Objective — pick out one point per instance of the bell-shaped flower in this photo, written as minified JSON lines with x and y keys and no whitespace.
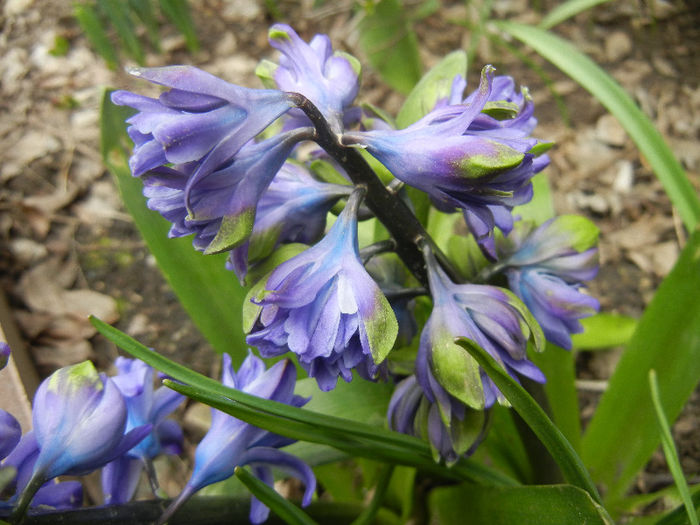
{"x":10,"y":433}
{"x":220,"y":207}
{"x":329,"y":80}
{"x":546,"y":267}
{"x":201,"y":118}
{"x":231,"y":443}
{"x":323,"y":306}
{"x":4,"y":354}
{"x":58,"y":495}
{"x":483,"y":174}
{"x":493,"y":318}
{"x":292,"y":209}
{"x":79,"y":419}
{"x":144,"y":406}
{"x":450,"y":438}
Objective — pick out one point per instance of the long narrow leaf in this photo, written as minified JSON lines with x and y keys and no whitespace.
{"x":391,"y":45}
{"x":609,"y":93}
{"x":90,"y":23}
{"x":561,"y":450}
{"x":670,"y":450}
{"x":541,"y":505}
{"x":178,"y":12}
{"x":567,"y":10}
{"x":209,"y":293}
{"x":558,"y":367}
{"x":119,"y":15}
{"x":349,"y":436}
{"x":289,"y":512}
{"x":667,"y":339}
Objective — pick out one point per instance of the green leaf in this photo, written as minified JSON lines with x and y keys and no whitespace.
{"x":209,"y":293}
{"x":90,"y":23}
{"x":290,"y":513}
{"x":118,"y":13}
{"x":609,"y":93}
{"x":604,"y":331}
{"x":435,"y":85}
{"x":7,"y":475}
{"x":503,"y":446}
{"x":544,"y":505}
{"x":144,"y":11}
{"x":670,"y":449}
{"x":178,"y":12}
{"x":558,"y":367}
{"x":566,"y":10}
{"x":551,"y":437}
{"x":678,"y":516}
{"x":666,"y":339}
{"x":352,"y":437}
{"x":541,"y":208}
{"x":391,"y":45}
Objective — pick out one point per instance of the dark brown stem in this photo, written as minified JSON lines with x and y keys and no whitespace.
{"x":393,"y":213}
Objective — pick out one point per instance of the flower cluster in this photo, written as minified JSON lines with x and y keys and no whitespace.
{"x":246,"y":171}
{"x":84,"y":421}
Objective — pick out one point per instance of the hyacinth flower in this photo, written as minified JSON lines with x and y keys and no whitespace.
{"x":292,"y":209}
{"x":10,"y":433}
{"x":411,"y":413}
{"x":546,"y":267}
{"x":492,"y":317}
{"x":201,"y":118}
{"x":58,"y":495}
{"x":323,"y":306}
{"x":220,"y":208}
{"x":329,"y":80}
{"x":79,"y":419}
{"x":144,"y":406}
{"x":232,"y":443}
{"x":4,"y":354}
{"x":483,"y":174}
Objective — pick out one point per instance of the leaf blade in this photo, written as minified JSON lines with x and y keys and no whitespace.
{"x":611,"y":95}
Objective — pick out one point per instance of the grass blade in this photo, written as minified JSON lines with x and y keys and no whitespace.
{"x":561,"y":450}
{"x":611,"y":95}
{"x":89,"y":21}
{"x":119,"y":15}
{"x":567,"y":10}
{"x":667,"y":339}
{"x":670,"y":449}
{"x":287,"y":511}
{"x":178,"y":12}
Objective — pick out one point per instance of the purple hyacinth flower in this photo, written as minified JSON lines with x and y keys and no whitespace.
{"x":63,"y":495}
{"x":220,"y":207}
{"x":492,"y":317}
{"x":485,"y":174}
{"x":201,"y":118}
{"x":79,"y":419}
{"x":292,"y":209}
{"x":10,"y":433}
{"x":546,"y":267}
{"x":323,"y":306}
{"x":329,"y":80}
{"x":4,"y":354}
{"x":144,"y":406}
{"x":231,"y":442}
{"x":450,"y":437}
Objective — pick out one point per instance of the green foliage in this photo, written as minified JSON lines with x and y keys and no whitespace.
{"x":544,"y":505}
{"x":111,"y":26}
{"x":670,"y":449}
{"x":386,"y":36}
{"x":666,"y":340}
